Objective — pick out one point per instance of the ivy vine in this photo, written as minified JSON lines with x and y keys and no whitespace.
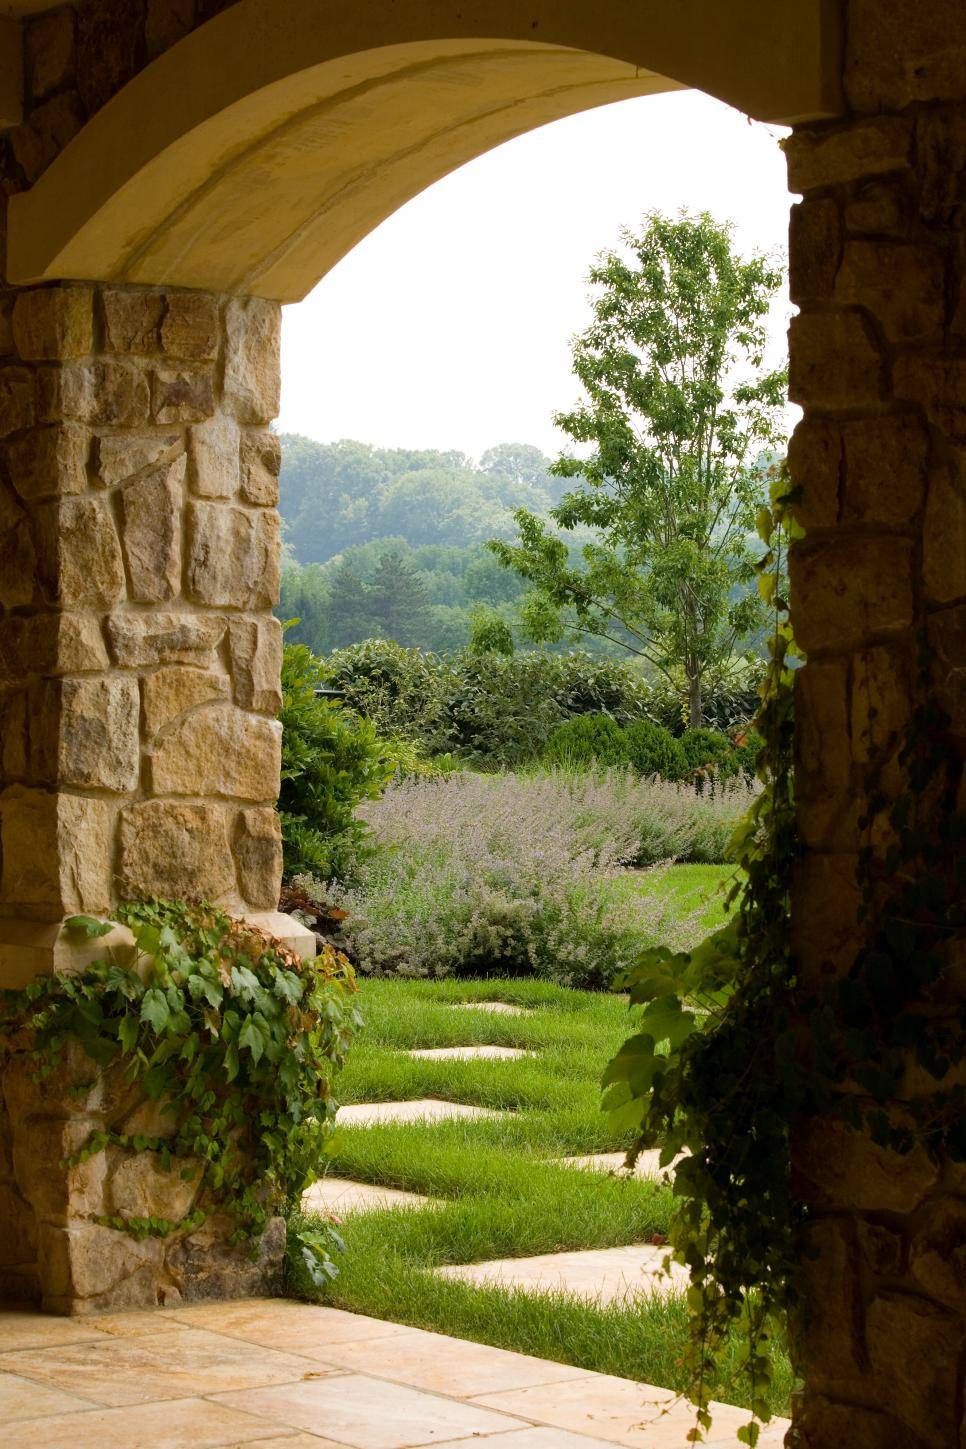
{"x":235,"y":1038}
{"x":732,"y":1049}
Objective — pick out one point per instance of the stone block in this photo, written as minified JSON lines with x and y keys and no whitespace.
{"x":57,"y":853}
{"x":29,"y":949}
{"x":182,"y":395}
{"x":132,"y":320}
{"x":121,"y":456}
{"x":213,"y":449}
{"x":833,"y":361}
{"x":880,"y":702}
{"x":79,"y":553}
{"x":255,"y":647}
{"x":18,"y":565}
{"x":825,"y":914}
{"x":849,"y":589}
{"x":944,"y":534}
{"x":847,"y":151}
{"x":897,"y":55}
{"x":13,"y":736}
{"x":941,"y":164}
{"x":139,"y":1187}
{"x":206,"y":1268}
{"x":821,"y":1423}
{"x":880,"y":207}
{"x":901,"y":284}
{"x":176,"y":850}
{"x":18,"y":403}
{"x":142,"y":640}
{"x":48,"y":51}
{"x":151,"y":533}
{"x":98,"y":733}
{"x":233,"y":556}
{"x":190,"y":326}
{"x":61,"y":643}
{"x":815,"y":455}
{"x":252,"y":352}
{"x":285,"y":930}
{"x":937,"y":1257}
{"x":49,"y":462}
{"x":836,"y":1169}
{"x":885,"y":468}
{"x":6,"y":323}
{"x":938,"y":385}
{"x":261,"y":463}
{"x":56,"y":1192}
{"x":18,"y":1242}
{"x":814,"y":250}
{"x":828,"y":808}
{"x":89,"y":1262}
{"x":52,"y":124}
{"x":173,"y":691}
{"x":913,"y":1353}
{"x":881,"y":1251}
{"x":829,"y":1334}
{"x":165,"y":22}
{"x":258,"y":856}
{"x":118,"y":395}
{"x":219,"y":750}
{"x":52,"y":324}
{"x":947,"y":636}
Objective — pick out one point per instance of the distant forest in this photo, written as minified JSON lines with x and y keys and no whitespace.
{"x":389,"y":542}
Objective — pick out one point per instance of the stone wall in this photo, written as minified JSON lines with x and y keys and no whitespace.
{"x":56,"y":1247}
{"x":878,"y":362}
{"x":139,"y":562}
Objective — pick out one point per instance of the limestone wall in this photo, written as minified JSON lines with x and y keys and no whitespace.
{"x":139,"y":562}
{"x":878,"y":361}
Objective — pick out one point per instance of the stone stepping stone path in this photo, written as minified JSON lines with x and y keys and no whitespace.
{"x":596,"y":1275}
{"x":343,"y":1195}
{"x":469,"y":1053}
{"x":502,"y":1008}
{"x":648,"y":1165}
{"x":424,"y":1109}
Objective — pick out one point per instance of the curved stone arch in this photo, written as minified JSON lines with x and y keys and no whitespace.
{"x":257,"y":151}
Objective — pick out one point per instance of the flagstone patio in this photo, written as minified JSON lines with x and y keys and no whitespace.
{"x":275,"y":1372}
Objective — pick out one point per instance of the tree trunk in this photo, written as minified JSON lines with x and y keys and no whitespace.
{"x":695,"y":711}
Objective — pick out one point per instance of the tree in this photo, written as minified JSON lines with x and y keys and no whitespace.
{"x":397,"y":600}
{"x":678,"y":405}
{"x":489,"y":634}
{"x":350,"y":611}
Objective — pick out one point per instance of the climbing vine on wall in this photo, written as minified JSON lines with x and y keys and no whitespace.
{"x":732,"y":1049}
{"x":234,"y":1037}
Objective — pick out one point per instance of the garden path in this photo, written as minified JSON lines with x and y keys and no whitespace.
{"x":277,"y":1373}
{"x":598,"y":1275}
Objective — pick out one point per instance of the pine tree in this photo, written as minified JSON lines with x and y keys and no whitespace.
{"x":397,"y":600}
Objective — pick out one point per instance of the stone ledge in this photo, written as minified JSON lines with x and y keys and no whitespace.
{"x":298,"y":938}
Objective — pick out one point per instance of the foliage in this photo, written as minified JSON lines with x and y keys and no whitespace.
{"x":513,"y":874}
{"x":586,"y":740}
{"x":653,"y":750}
{"x":400,"y":691}
{"x":678,"y":406}
{"x":238,"y":1039}
{"x":489,"y":634}
{"x":331,"y":760}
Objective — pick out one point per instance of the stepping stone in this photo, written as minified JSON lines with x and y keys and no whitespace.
{"x":424,"y":1109}
{"x":467,"y":1053}
{"x":648,"y":1165}
{"x":503,"y":1008}
{"x":596,"y":1275}
{"x":342,"y":1196}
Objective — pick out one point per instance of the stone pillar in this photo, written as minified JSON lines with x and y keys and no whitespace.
{"x":878,"y":362}
{"x":139,"y":562}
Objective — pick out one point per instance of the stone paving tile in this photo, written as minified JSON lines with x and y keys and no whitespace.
{"x":647,"y":1165}
{"x":26,"y":1328}
{"x":301,"y":1328}
{"x":342,"y":1196}
{"x":367,"y":1413}
{"x":618,"y":1411}
{"x":535,"y":1437}
{"x":448,"y":1365}
{"x":424,"y":1109}
{"x":21,"y":1398}
{"x":175,"y":1365}
{"x":502,"y":1008}
{"x":605,"y":1275}
{"x":469,"y":1053}
{"x":175,"y":1424}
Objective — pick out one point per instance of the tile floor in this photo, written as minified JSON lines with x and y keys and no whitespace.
{"x":277,"y":1373}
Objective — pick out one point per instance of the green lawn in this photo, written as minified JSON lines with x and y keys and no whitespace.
{"x":502,"y":1195}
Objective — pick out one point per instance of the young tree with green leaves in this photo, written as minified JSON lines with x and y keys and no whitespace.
{"x":678,"y":406}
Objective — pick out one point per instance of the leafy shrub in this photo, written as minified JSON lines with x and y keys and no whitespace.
{"x":703,"y":747}
{"x":331,"y":761}
{"x":236,"y":1036}
{"x":502,"y":874}
{"x":652,"y":750}
{"x":399,"y":691}
{"x":586,"y":740}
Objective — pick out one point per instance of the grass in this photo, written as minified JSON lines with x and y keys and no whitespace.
{"x":689,"y":889}
{"x":499,"y":1192}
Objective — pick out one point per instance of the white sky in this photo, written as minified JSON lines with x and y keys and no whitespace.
{"x":448,"y":326}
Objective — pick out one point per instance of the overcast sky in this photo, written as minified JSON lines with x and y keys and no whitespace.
{"x":448,"y":326}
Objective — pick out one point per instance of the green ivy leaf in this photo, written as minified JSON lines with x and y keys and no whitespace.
{"x":155,"y":1009}
{"x":88,"y":927}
